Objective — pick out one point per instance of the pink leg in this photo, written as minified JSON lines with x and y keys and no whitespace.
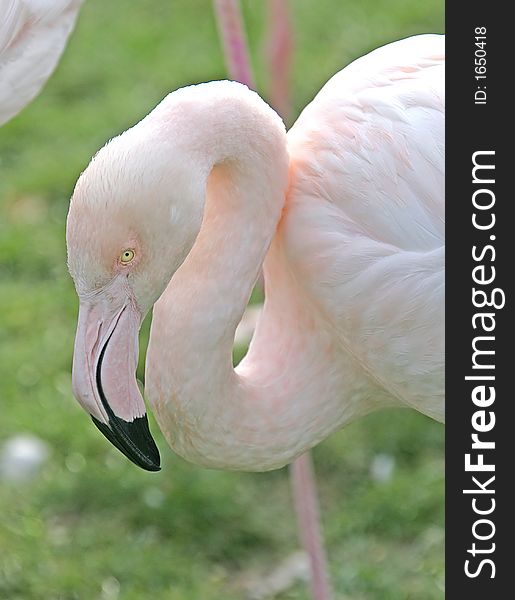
{"x":306,"y":507}
{"x":230,"y":26}
{"x":279,"y":53}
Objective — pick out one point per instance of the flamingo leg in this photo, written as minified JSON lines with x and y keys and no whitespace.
{"x":308,"y":518}
{"x":230,"y":27}
{"x":280,"y":45}
{"x":279,"y":54}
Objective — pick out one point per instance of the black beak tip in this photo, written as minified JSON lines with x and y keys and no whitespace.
{"x":132,"y":438}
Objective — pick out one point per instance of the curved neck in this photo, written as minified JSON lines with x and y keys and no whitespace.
{"x":268,"y":411}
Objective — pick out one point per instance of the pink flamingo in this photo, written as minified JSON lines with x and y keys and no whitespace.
{"x":33,"y":35}
{"x":346,"y":216}
{"x":279,"y":52}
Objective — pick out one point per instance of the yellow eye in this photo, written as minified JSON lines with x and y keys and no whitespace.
{"x":126,"y":256}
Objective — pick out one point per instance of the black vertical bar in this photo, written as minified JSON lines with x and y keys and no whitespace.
{"x":479,"y":119}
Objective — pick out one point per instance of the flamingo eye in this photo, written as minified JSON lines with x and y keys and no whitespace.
{"x":127,"y":256}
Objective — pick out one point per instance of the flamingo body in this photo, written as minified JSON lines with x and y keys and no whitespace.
{"x":345,"y":214}
{"x":33,"y":35}
{"x":364,"y":226}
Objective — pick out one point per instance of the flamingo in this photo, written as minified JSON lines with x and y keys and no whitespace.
{"x":345,"y":214}
{"x":33,"y":35}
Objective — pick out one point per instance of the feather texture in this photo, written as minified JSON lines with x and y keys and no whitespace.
{"x":33,"y":35}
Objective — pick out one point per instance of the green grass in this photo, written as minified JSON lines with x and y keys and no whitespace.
{"x":93,"y":526}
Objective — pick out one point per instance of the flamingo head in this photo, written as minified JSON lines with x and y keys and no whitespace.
{"x":129,"y":228}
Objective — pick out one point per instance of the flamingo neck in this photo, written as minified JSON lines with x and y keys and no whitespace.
{"x":263,"y":414}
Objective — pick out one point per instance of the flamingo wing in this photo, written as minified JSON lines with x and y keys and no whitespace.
{"x":364,"y":220}
{"x":33,"y":35}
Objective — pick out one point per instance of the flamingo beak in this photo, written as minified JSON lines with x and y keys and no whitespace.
{"x":104,"y":377}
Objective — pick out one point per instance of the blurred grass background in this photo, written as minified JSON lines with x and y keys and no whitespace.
{"x":90,"y":524}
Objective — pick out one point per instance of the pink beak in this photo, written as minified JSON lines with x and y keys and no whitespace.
{"x":104,"y":377}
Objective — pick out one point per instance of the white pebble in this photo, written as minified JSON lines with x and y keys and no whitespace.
{"x":21,"y":458}
{"x":382,"y":467}
{"x":110,"y":588}
{"x":153,"y":497}
{"x":293,"y":569}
